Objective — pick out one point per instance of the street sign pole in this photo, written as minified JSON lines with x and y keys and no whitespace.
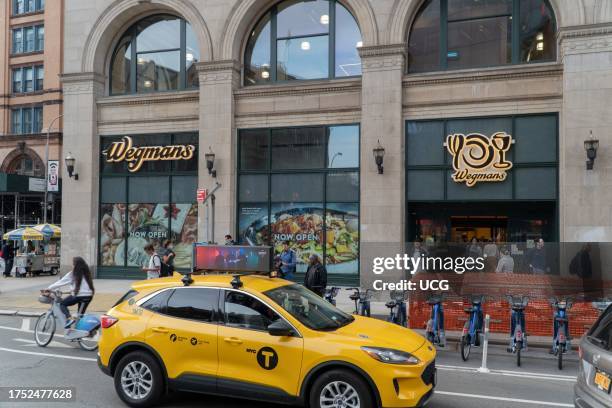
{"x":47,"y":169}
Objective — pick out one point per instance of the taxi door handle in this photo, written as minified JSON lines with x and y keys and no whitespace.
{"x":160,"y":330}
{"x":232,"y":340}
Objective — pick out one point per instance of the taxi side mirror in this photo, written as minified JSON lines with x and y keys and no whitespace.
{"x":280,"y":328}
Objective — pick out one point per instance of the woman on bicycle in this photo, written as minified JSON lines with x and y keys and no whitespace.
{"x":81,"y":285}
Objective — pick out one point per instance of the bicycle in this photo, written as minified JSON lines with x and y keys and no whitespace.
{"x":86,"y":326}
{"x":518,"y":338}
{"x":331,"y":293}
{"x":397,"y":308}
{"x":473,"y":326}
{"x":435,"y":325}
{"x":561,"y":340}
{"x":362,"y":301}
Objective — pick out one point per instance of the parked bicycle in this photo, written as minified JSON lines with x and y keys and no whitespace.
{"x":473,"y":326}
{"x":435,"y":325}
{"x":518,"y":337}
{"x":561,"y":339}
{"x":397,"y":308}
{"x":86,"y":327}
{"x":362,"y":301}
{"x":331,"y":293}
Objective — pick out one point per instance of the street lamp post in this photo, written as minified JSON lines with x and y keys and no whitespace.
{"x":47,"y":168}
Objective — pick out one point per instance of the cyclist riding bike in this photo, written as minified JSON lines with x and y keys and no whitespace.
{"x":81,"y":286}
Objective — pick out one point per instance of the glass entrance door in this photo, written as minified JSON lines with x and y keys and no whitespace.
{"x":483,"y":228}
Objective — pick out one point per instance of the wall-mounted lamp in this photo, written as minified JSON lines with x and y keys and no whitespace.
{"x":591,"y":145}
{"x":210,"y":162}
{"x":70,"y":161}
{"x":379,"y":154}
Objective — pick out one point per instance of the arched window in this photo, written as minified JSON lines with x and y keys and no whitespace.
{"x":456,"y":34}
{"x":26,"y":166}
{"x":156,"y":54}
{"x":296,"y":40}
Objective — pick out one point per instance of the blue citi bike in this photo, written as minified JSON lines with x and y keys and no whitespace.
{"x":331,"y":293}
{"x":435,"y":325}
{"x":561,"y":339}
{"x":397,"y":308}
{"x":362,"y":301}
{"x":473,"y":326}
{"x":518,"y":338}
{"x":85,"y":330}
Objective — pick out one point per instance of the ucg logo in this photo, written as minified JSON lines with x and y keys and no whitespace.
{"x":267,"y":358}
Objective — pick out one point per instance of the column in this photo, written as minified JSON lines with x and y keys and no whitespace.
{"x":382,"y":195}
{"x":80,"y":197}
{"x":218,"y":79}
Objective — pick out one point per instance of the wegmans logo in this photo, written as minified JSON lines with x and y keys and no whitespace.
{"x":477,"y":158}
{"x":124,"y":150}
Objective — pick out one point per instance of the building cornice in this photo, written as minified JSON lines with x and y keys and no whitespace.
{"x":9,"y":137}
{"x":303,"y":88}
{"x":486,"y":74}
{"x":582,"y":31}
{"x":548,"y":97}
{"x":383,"y":50}
{"x":151,"y":99}
{"x":172,"y":119}
{"x":221,"y":65}
{"x":355,"y":110}
{"x":77,"y":77}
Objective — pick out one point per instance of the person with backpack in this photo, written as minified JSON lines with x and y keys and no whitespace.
{"x":168,"y":255}
{"x":153,"y":270}
{"x":316,"y":276}
{"x":288,"y":261}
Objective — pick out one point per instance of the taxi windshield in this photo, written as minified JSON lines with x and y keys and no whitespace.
{"x":310,"y":309}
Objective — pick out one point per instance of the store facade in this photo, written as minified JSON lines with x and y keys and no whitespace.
{"x":293,"y":97}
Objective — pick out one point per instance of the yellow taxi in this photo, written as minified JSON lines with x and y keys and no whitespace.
{"x":258,"y":338}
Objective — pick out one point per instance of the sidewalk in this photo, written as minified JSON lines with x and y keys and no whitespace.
{"x":20,"y":296}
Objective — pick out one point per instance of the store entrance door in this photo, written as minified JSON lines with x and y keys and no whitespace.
{"x":483,"y":228}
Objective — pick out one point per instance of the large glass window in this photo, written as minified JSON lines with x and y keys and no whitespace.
{"x":455,"y":34}
{"x":149,"y":206}
{"x":303,"y":40}
{"x":305,"y":190}
{"x":158,"y":53}
{"x":26,"y":120}
{"x":27,"y":6}
{"x":28,"y":39}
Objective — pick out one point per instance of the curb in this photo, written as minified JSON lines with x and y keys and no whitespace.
{"x":8,"y":312}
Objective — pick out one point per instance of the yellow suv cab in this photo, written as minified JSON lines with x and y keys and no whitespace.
{"x":258,"y":338}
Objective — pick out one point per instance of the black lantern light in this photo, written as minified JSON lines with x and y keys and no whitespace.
{"x":70,"y":162}
{"x":210,"y":162}
{"x":591,"y":145}
{"x":379,"y":154}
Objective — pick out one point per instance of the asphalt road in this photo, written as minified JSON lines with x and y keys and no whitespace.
{"x":538,"y":383}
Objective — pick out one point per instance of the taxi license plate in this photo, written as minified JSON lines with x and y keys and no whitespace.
{"x":602,"y":381}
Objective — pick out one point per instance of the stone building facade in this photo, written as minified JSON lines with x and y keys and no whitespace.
{"x":575,"y":88}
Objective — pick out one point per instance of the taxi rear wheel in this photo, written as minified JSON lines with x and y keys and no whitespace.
{"x":138,"y":380}
{"x":340,"y":389}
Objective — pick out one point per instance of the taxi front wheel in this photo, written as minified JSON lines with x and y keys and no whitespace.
{"x":340,"y":389}
{"x":138,"y":380}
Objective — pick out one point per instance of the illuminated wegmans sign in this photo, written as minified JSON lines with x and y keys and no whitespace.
{"x":477,"y":158}
{"x":124,"y":150}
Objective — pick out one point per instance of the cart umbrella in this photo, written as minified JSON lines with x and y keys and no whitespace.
{"x":24,"y":234}
{"x":49,"y":230}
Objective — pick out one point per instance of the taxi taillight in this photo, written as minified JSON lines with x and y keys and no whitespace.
{"x":107,"y":321}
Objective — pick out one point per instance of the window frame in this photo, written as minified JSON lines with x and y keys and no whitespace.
{"x":133,"y":33}
{"x":19,"y":48}
{"x":35,"y":126}
{"x":39,"y":7}
{"x":515,"y":44}
{"x":274,"y":38}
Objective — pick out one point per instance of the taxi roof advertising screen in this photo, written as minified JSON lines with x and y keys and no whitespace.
{"x":230,"y":258}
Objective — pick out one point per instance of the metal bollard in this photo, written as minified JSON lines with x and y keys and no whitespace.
{"x":485,"y":345}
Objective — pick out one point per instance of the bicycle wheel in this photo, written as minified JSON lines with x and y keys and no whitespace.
{"x":466,"y":347}
{"x":519,"y":346}
{"x":90,"y":343}
{"x":44,"y":329}
{"x":560,"y":357}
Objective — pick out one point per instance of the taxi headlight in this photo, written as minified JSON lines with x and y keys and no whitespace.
{"x":391,"y":356}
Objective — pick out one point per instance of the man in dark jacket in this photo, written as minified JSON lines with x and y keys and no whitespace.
{"x":7,"y":255}
{"x":316,"y":276}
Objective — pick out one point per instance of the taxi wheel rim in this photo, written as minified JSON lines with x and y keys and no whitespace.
{"x":339,"y":394}
{"x":136,"y":380}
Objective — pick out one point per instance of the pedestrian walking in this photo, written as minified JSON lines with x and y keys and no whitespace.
{"x":288,"y":261}
{"x":491,"y":255}
{"x":7,"y":256}
{"x":316,"y":276}
{"x":154,"y":268}
{"x":167,"y":255}
{"x":537,"y":258}
{"x":506,"y":262}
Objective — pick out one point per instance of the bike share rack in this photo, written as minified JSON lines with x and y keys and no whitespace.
{"x":485,"y":344}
